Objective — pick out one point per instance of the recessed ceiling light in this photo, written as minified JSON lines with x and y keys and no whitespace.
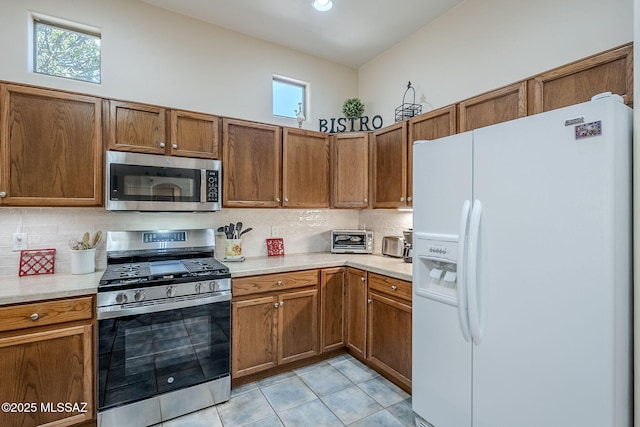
{"x":322,"y":5}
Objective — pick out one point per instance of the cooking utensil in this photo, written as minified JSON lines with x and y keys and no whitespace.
{"x":220,"y":229}
{"x":74,"y":244}
{"x":245,"y":231}
{"x":238,"y":227}
{"x":85,"y":240}
{"x":96,"y":240}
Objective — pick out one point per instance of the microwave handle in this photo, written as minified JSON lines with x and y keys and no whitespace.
{"x":203,"y":185}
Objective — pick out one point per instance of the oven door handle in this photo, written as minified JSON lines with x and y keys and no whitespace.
{"x":134,"y":309}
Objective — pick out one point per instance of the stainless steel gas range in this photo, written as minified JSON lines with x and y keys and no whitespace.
{"x":164,"y":331}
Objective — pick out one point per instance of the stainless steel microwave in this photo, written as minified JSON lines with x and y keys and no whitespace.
{"x":149,"y":182}
{"x":351,"y":242}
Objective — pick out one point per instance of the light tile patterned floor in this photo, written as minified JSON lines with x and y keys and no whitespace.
{"x":337,"y":392}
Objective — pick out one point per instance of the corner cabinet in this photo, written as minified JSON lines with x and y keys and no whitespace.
{"x":332,"y":305}
{"x":50,"y":148}
{"x":275,"y":320}
{"x":350,"y":170}
{"x":252,"y":164}
{"x":356,"y":312}
{"x":389,"y":167}
{"x":47,"y":357}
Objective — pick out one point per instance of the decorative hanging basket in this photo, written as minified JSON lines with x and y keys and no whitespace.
{"x":408,"y":110}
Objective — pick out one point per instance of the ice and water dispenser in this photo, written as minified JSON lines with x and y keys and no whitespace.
{"x":436,"y":266}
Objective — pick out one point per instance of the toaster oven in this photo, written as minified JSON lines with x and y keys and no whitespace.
{"x":351,"y":242}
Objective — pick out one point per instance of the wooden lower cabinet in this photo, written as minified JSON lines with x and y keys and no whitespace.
{"x":47,"y":366}
{"x":274,"y":328}
{"x":389,"y":336}
{"x":356,"y":312}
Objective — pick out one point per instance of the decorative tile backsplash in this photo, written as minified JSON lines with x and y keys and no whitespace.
{"x":303,"y":230}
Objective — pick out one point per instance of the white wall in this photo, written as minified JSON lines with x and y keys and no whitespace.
{"x":636,"y":210}
{"x":155,"y":56}
{"x":482,"y":45}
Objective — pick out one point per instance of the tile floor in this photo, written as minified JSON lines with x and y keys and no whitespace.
{"x":337,"y":392}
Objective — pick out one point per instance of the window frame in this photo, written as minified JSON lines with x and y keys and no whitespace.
{"x":292,"y":82}
{"x":39,"y":19}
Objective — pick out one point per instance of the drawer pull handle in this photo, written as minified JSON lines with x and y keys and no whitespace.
{"x":34,"y":316}
{"x":394,"y":287}
{"x":279,"y":282}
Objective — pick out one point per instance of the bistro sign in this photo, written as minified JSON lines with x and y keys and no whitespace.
{"x":350,"y":124}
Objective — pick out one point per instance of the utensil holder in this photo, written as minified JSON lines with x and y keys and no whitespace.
{"x":83,"y":261}
{"x":233,"y":248}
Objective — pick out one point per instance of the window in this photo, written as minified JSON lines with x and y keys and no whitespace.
{"x":287,"y":93}
{"x":63,"y":51}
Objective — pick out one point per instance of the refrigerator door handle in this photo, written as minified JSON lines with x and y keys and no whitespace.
{"x":472,"y":273}
{"x":461,"y":270}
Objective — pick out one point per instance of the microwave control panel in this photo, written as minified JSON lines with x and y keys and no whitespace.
{"x":212,"y":186}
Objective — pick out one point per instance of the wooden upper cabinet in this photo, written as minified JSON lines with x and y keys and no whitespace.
{"x":389,"y":166}
{"x":433,"y":125}
{"x":611,"y":71}
{"x":498,"y":106}
{"x":251,"y":165}
{"x":50,"y":148}
{"x":305,"y":169}
{"x":136,"y":127}
{"x":194,"y":134}
{"x":350,"y":170}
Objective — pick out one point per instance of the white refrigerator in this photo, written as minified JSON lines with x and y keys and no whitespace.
{"x":522,"y":272}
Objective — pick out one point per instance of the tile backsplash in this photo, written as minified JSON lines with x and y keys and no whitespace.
{"x":303,"y":230}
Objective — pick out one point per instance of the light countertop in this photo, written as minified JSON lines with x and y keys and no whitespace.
{"x":61,"y":285}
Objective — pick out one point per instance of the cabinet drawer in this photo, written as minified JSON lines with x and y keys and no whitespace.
{"x":274,"y":282}
{"x":390,"y":286}
{"x":45,"y":313}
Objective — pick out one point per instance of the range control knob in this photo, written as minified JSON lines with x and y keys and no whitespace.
{"x":121,"y":298}
{"x":171,"y":291}
{"x":212,"y":286}
{"x":199,"y":288}
{"x":139,"y":295}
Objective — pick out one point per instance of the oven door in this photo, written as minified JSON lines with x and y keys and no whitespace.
{"x":145,"y":355}
{"x":145,"y":182}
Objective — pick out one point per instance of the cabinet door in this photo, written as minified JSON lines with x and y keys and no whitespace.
{"x":332,"y":296}
{"x":47,"y":368}
{"x":252,"y":159}
{"x":194,"y":134}
{"x":50,"y":148}
{"x":389,"y":166}
{"x":254,"y":336}
{"x":389,"y":337}
{"x":350,"y":170}
{"x":610,"y":71}
{"x":136,"y":127}
{"x":305,"y":169}
{"x":498,"y":106}
{"x":356,"y":311}
{"x":298,"y":333}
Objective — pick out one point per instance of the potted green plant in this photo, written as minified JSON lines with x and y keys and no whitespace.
{"x":353,"y":107}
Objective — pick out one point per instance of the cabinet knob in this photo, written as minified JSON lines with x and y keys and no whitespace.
{"x":281,"y":303}
{"x":394,"y":287}
{"x":175,"y":146}
{"x":369,"y":301}
{"x":279,"y":282}
{"x":276,"y":305}
{"x":34,"y":316}
{"x":286,"y":199}
{"x":162,"y":145}
{"x":366,"y":200}
{"x":278,"y":199}
{"x":409,"y":199}
{"x":362,"y":279}
{"x":3,"y":194}
{"x":402,"y":199}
